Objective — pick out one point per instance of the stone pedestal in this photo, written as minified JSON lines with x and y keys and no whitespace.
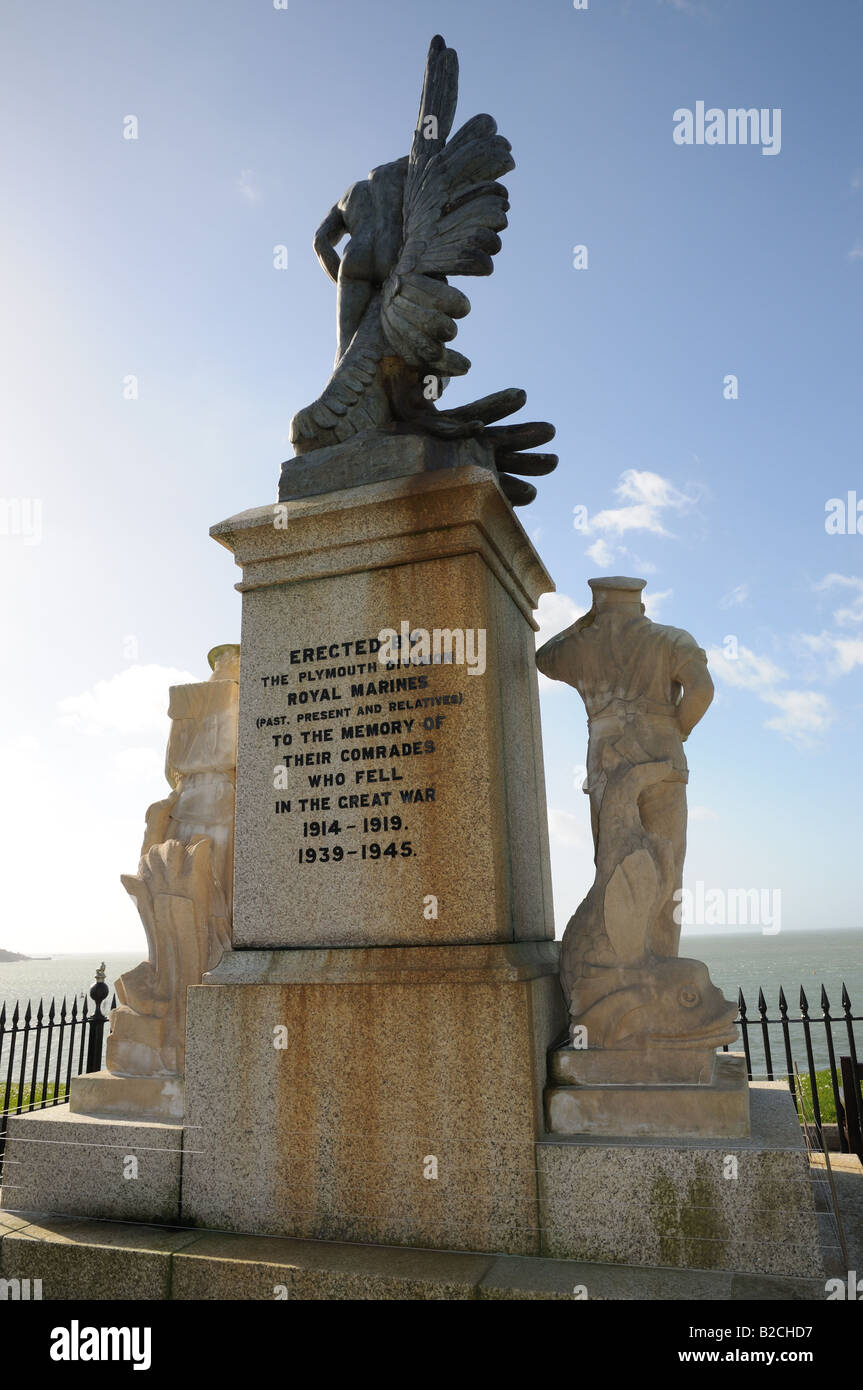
{"x":390,"y":804}
{"x":388,"y":1095}
{"x":701,"y":1096}
{"x":84,"y":1165}
{"x":373,"y":1070}
{"x":102,"y":1093}
{"x":741,"y":1204}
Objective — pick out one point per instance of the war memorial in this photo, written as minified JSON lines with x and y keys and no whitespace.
{"x":357,"y":1064}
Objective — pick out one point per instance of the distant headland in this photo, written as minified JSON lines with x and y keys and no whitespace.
{"x":6,"y":956}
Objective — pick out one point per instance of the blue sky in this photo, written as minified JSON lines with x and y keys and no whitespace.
{"x":153,"y":258}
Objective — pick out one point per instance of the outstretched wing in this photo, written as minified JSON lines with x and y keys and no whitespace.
{"x":437,"y":104}
{"x":452,"y":213}
{"x":353,"y":398}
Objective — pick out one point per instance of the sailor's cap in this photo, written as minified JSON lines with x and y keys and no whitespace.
{"x":617,"y":582}
{"x":216,"y":652}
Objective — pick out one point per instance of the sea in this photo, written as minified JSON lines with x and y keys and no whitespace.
{"x":746,"y":961}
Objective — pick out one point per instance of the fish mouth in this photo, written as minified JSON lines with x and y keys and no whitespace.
{"x":717,"y":1031}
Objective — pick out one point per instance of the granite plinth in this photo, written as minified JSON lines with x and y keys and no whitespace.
{"x":390,"y":1095}
{"x":388,"y":804}
{"x":103,"y":1261}
{"x":86,"y":1165}
{"x":735,"y":1204}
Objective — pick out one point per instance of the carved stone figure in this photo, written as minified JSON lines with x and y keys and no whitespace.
{"x":645,"y":687}
{"x":183,"y":885}
{"x":411,"y":224}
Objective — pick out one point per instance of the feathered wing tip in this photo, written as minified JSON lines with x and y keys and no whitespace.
{"x":454,"y":209}
{"x":439,"y":99}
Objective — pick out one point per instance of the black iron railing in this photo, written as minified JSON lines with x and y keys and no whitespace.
{"x":41,"y":1049}
{"x":809,"y":1041}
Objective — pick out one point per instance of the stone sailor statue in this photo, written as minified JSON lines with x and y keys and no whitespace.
{"x":645,"y":687}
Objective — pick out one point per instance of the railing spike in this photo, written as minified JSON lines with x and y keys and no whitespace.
{"x":804,"y":1002}
{"x":762,"y":1005}
{"x":741,"y":1002}
{"x":825,"y":1002}
{"x":846,"y":1001}
{"x":783,"y":1002}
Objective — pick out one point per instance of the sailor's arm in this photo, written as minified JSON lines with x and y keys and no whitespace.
{"x":328,"y":235}
{"x":548,"y":657}
{"x":558,"y":649}
{"x":697,"y":693}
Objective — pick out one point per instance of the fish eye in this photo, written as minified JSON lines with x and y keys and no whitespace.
{"x":689,"y":997}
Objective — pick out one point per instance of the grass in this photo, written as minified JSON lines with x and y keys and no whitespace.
{"x":824,"y":1091}
{"x":49,"y":1094}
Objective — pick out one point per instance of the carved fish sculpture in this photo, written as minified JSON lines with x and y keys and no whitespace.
{"x":619,"y":990}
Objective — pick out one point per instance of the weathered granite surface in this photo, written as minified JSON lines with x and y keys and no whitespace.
{"x":390,"y":1095}
{"x":100,"y":1260}
{"x":86,"y":1165}
{"x":422,"y":805}
{"x":687,"y":1204}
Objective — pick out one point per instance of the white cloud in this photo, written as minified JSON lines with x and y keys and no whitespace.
{"x":853,"y":614}
{"x":648,"y":496}
{"x":135,"y":701}
{"x":748,"y":671}
{"x":703,"y":813}
{"x":856,"y":252}
{"x":840,"y":653}
{"x":247,"y":186}
{"x":554,"y":613}
{"x":736,"y":597}
{"x":804,"y":714}
{"x":654,"y":601}
{"x":600,"y":553}
{"x":843,"y":653}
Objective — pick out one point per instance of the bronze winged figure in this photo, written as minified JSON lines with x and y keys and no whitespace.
{"x":411,"y":224}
